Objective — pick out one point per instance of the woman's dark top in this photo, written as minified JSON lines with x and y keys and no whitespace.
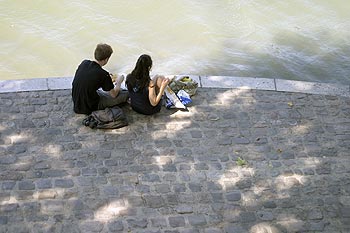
{"x":140,"y":100}
{"x":89,"y":77}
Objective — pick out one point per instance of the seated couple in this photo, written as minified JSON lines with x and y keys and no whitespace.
{"x":145,"y":93}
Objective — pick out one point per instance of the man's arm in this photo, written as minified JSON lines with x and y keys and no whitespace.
{"x":115,"y":91}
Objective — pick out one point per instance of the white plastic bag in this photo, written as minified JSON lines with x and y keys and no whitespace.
{"x":173,"y":98}
{"x":184,"y":97}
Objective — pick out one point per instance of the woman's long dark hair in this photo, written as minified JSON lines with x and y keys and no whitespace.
{"x":139,"y":77}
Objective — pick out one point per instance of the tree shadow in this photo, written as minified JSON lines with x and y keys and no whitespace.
{"x":177,"y":171}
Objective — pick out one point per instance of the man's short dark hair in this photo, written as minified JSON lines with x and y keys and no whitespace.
{"x":103,"y":51}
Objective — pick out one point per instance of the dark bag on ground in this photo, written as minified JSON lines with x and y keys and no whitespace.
{"x":109,"y":118}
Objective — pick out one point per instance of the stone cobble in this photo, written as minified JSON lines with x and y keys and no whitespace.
{"x":237,"y":161}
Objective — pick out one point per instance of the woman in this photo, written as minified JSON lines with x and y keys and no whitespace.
{"x":145,"y":93}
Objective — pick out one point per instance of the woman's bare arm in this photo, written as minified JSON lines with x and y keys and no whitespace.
{"x":153,"y":96}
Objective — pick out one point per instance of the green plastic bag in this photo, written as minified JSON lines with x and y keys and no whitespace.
{"x":184,"y":83}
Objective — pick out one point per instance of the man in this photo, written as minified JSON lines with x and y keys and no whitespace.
{"x":90,"y":77}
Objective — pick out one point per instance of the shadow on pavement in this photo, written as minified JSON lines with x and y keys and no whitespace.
{"x":177,"y":171}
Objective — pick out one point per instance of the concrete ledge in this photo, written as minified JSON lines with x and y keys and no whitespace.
{"x":23,"y":85}
{"x":58,"y":83}
{"x":312,"y":87}
{"x":238,"y":82}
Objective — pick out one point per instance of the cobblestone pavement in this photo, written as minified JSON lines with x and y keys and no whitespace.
{"x":178,"y":171}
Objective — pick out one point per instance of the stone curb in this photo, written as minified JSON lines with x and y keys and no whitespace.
{"x":57,"y":83}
